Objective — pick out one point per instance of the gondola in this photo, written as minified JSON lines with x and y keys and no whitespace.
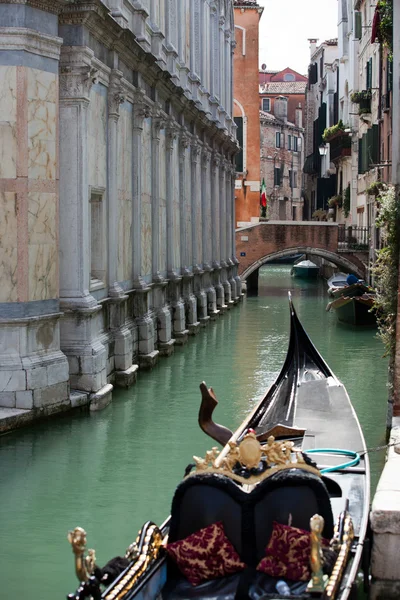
{"x":281,"y":511}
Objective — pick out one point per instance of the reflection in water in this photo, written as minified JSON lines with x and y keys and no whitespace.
{"x":111,"y":471}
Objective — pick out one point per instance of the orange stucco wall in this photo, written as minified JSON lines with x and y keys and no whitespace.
{"x":246,"y":97}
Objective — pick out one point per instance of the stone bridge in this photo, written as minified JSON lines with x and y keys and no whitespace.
{"x":262,"y":242}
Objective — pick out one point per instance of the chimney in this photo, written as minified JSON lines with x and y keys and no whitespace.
{"x":280,"y":108}
{"x":299,"y":116}
{"x":313,"y":45}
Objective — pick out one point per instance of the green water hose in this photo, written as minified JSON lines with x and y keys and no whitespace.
{"x":354,"y":456}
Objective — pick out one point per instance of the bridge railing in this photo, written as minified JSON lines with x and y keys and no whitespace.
{"x":354,"y":237}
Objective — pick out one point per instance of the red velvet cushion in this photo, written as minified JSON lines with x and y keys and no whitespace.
{"x":206,"y":554}
{"x":287,"y":554}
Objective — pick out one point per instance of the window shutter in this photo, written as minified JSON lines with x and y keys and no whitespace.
{"x":277,"y":139}
{"x":295,"y":143}
{"x":375,"y":144}
{"x":389,"y":75}
{"x":289,"y":145}
{"x":360,"y":164}
{"x":239,"y":137}
{"x":357,"y":25}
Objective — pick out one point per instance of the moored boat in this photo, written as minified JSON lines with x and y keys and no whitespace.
{"x":305,"y":269}
{"x":240,"y":515}
{"x":338,"y":281}
{"x":355,"y":310}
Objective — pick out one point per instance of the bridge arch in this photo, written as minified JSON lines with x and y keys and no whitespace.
{"x":259,"y":243}
{"x":341,"y":261}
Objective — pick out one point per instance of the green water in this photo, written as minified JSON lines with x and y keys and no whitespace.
{"x":111,"y":471}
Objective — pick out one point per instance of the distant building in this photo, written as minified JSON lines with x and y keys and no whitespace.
{"x":282,"y":144}
{"x":286,"y":83}
{"x":247,"y":14}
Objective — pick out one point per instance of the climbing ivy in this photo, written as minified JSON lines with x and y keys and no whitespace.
{"x":385,"y":28}
{"x":346,"y":201}
{"x":386,"y":267}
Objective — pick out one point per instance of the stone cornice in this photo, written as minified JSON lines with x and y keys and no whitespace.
{"x":29,"y":40}
{"x":52,"y":6}
{"x":98,"y":19}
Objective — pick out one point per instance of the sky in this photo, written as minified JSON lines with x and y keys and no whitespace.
{"x":285,"y":27}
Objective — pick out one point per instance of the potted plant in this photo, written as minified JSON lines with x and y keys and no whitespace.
{"x":335,"y":201}
{"x":334,"y":131}
{"x":363,"y":99}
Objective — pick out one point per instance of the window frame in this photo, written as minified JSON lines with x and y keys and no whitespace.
{"x":268,"y":100}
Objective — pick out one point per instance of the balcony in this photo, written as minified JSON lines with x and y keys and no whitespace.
{"x":354,"y":238}
{"x":340,"y":145}
{"x":363,"y":99}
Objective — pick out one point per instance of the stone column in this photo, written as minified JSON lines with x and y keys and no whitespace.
{"x":163,"y":313}
{"x":230,"y":178}
{"x":187,"y":275}
{"x":147,"y":353}
{"x":224,"y":220}
{"x":82,"y":324}
{"x":197,"y":219}
{"x":180,"y":332}
{"x":235,"y":276}
{"x":125,"y":372}
{"x":206,"y":232}
{"x":215,"y":232}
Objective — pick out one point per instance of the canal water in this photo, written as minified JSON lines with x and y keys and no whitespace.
{"x":111,"y":471}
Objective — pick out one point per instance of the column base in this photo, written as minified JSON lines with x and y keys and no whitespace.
{"x":148,"y":361}
{"x":214,"y":314}
{"x":102,"y":398}
{"x":166,"y":348}
{"x":181,"y":337}
{"x":204,"y":321}
{"x":78,"y":398}
{"x":124,"y":379}
{"x":194,"y":328}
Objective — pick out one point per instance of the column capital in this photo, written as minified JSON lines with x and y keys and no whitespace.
{"x":216,"y":160}
{"x":205,"y":157}
{"x":158,"y":122}
{"x":171,"y":133}
{"x":141,"y":108}
{"x":195,"y":149}
{"x":184,"y":140}
{"x":115,"y":93}
{"x":76,"y":81}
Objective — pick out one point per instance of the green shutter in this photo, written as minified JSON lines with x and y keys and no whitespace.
{"x":389,"y":74}
{"x":375,"y":144}
{"x":357,"y":25}
{"x":360,"y":171}
{"x":365,"y":149}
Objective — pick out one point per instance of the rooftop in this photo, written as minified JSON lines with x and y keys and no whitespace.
{"x":283,"y":87}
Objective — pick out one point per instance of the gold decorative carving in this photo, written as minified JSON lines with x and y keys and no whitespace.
{"x":84,"y":566}
{"x":318,"y":580}
{"x":341,"y":561}
{"x":153,"y":542}
{"x":249,"y":453}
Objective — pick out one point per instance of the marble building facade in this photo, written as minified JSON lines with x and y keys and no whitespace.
{"x":117,"y":173}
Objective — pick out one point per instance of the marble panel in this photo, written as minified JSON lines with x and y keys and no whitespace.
{"x":125,"y":239}
{"x":146,"y":157}
{"x":8,"y":150}
{"x":146,"y":236}
{"x":43,"y":282}
{"x":97,"y":138}
{"x":163,"y":238}
{"x":125,"y":149}
{"x":162,"y":166}
{"x":42,"y":86}
{"x":41,"y":120}
{"x":8,"y":247}
{"x":42,"y":218}
{"x":8,"y":94}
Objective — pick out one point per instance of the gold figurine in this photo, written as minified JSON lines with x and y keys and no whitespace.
{"x":318,"y":579}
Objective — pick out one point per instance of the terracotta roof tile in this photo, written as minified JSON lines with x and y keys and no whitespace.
{"x":244,"y":3}
{"x":283,"y":87}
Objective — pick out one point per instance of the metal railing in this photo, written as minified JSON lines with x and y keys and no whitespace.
{"x":354,"y":238}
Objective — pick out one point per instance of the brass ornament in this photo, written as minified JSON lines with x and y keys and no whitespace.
{"x":150,"y":551}
{"x":84,"y":566}
{"x":250,"y":454}
{"x":341,"y":561}
{"x":319,"y":580}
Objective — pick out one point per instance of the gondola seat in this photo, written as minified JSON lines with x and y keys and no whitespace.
{"x":289,"y":497}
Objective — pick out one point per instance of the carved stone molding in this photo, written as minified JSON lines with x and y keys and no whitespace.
{"x":216,"y":161}
{"x":76,"y":82}
{"x":28,"y":40}
{"x":141,"y":109}
{"x":115,"y":93}
{"x":184,"y":141}
{"x":158,"y":122}
{"x":52,"y":6}
{"x":171,"y":133}
{"x":205,"y":157}
{"x":195,"y":149}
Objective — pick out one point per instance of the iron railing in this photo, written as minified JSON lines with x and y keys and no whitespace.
{"x":354,"y":238}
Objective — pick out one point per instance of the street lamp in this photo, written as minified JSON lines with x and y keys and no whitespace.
{"x":323,"y":149}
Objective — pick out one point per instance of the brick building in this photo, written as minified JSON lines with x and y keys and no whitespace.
{"x":282,"y":158}
{"x":247,"y":14}
{"x":286,"y":83}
